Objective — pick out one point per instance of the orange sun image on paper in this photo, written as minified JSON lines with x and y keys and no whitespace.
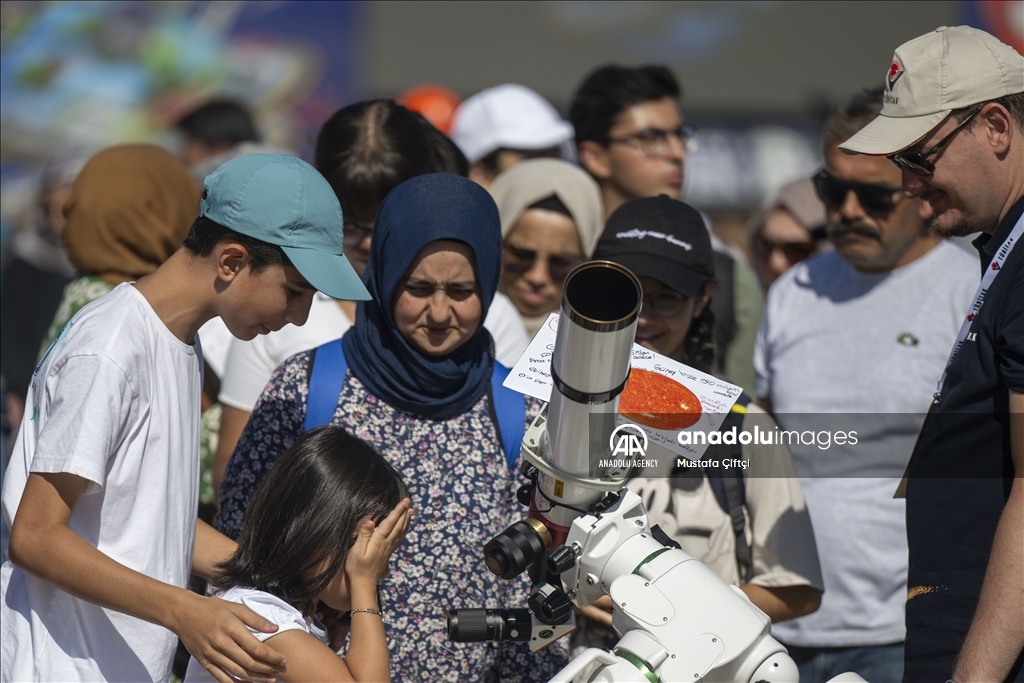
{"x":657,"y":401}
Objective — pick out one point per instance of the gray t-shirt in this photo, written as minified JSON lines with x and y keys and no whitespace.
{"x":840,"y":350}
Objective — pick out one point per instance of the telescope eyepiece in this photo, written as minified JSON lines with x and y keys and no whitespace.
{"x":509,"y":553}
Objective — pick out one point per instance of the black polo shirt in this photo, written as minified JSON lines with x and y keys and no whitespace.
{"x":960,"y":474}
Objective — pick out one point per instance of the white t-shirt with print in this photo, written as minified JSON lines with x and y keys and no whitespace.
{"x":116,"y":401}
{"x":270,"y":607}
{"x":251,"y":363}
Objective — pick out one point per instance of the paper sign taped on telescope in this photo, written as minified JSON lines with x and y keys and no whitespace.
{"x":656,"y":392}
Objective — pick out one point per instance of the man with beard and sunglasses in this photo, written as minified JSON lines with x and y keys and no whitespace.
{"x":851,"y":341}
{"x":953,"y":125}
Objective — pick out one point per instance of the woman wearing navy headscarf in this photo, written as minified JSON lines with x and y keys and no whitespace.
{"x":418,"y":387}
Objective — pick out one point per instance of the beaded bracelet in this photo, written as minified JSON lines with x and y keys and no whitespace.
{"x":368,"y":611}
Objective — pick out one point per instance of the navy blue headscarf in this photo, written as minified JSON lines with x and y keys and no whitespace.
{"x":424,"y":209}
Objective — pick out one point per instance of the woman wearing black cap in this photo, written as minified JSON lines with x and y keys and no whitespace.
{"x":771,"y":556}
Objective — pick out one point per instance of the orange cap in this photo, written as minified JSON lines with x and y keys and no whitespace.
{"x":436,"y":102}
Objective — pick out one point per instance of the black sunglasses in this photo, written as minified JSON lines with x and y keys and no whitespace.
{"x":518,"y":260}
{"x":879,"y":200}
{"x":917,"y":163}
{"x":793,"y":251}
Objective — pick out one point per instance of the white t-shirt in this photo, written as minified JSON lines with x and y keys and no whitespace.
{"x":506,"y":326}
{"x":270,"y":607}
{"x":116,"y":401}
{"x":842,"y":349}
{"x":251,"y":363}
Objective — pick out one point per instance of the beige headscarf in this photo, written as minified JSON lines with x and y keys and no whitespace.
{"x":799,"y":199}
{"x":526,"y":183}
{"x":129,"y":210}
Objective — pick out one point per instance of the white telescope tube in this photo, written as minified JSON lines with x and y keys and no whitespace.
{"x":590,"y":365}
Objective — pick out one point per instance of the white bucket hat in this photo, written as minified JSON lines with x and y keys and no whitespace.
{"x":507,"y":116}
{"x":932,"y":75}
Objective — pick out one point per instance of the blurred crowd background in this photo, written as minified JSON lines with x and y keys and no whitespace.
{"x":757,"y":77}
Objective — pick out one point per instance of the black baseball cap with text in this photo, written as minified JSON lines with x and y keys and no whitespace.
{"x":662,"y":238}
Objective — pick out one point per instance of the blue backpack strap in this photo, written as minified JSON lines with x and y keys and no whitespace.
{"x":325,"y":381}
{"x":510,"y":413}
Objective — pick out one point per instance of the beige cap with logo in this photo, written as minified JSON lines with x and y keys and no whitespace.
{"x":930,"y":76}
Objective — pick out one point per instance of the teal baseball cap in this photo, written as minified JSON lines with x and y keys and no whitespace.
{"x":282,"y":200}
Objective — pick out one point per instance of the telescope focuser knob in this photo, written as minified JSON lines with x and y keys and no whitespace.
{"x":550,"y":604}
{"x":560,"y":560}
{"x":528,"y":470}
{"x":524,"y":494}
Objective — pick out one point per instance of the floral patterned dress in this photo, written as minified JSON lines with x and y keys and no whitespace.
{"x":463,"y":494}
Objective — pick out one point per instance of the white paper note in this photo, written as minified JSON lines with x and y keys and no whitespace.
{"x":531,"y":375}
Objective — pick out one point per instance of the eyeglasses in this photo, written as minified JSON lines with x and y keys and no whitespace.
{"x":352,"y":235}
{"x":518,"y":260}
{"x":879,"y":200}
{"x":918,"y":164}
{"x":665,"y":304}
{"x":654,"y":142}
{"x":793,"y":251}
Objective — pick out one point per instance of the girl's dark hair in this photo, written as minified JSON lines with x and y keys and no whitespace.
{"x":367,"y":149}
{"x":206,"y":234}
{"x":610,"y":90}
{"x":699,"y":344}
{"x":306,"y":512}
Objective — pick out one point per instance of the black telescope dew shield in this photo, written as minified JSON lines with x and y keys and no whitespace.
{"x":589,"y":368}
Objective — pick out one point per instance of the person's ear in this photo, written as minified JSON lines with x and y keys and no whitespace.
{"x":595,"y":160}
{"x":231,"y":259}
{"x":998,"y":127}
{"x":704,"y":299}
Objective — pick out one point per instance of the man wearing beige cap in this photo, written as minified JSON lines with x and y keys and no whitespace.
{"x":953,"y":122}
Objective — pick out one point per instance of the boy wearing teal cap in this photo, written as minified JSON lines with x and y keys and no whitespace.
{"x":102,"y":488}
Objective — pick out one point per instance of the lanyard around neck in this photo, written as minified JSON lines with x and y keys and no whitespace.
{"x":993,"y":270}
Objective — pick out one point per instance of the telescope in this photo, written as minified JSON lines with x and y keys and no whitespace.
{"x":587,"y":536}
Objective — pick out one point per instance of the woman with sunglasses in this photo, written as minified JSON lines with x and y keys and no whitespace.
{"x":550,"y":221}
{"x":772,"y":556}
{"x":786,"y":231}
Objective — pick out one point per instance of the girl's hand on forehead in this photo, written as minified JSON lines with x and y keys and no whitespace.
{"x":368,"y":558}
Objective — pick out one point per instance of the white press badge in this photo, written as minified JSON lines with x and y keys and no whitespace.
{"x":979,"y":296}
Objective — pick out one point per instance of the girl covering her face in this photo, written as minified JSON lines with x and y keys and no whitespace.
{"x":320,"y":529}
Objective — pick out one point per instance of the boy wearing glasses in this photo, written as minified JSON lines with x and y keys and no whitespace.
{"x":631,"y":136}
{"x":853,"y":339}
{"x":953,"y":124}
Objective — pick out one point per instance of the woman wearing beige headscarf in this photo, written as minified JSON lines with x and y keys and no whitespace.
{"x":787,"y":230}
{"x":129,"y":210}
{"x":551,"y":219}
